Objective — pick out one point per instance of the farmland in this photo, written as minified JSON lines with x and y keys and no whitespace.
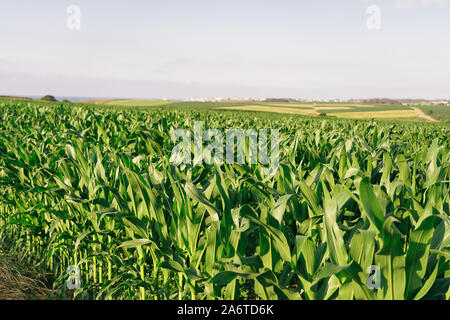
{"x":338,"y":110}
{"x":139,"y":103}
{"x":441,"y":113}
{"x":93,"y":187}
{"x":353,"y":111}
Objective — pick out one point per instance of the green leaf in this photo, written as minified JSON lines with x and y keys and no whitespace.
{"x":362,"y":248}
{"x":335,"y":241}
{"x":392,"y":262}
{"x":417,"y":255}
{"x":427,"y":284}
{"x":279,"y":238}
{"x":371,"y":204}
{"x":136,"y":243}
{"x":280,"y":207}
{"x":224,"y":277}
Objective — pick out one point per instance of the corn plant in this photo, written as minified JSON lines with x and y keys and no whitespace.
{"x":95,"y":188}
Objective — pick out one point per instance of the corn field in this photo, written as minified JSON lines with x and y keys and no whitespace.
{"x":93,"y":187}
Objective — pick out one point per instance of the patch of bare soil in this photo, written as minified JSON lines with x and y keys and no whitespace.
{"x":15,"y":284}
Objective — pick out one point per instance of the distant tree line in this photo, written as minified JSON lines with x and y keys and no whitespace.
{"x":48,"y":98}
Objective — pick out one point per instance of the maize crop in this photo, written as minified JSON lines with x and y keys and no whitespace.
{"x":93,"y":187}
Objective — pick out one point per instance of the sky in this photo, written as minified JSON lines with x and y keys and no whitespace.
{"x":178,"y":49}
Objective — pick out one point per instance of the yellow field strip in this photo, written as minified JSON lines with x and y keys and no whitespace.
{"x":393,"y":114}
{"x":343,"y":105}
{"x":390,"y":114}
{"x":291,"y":105}
{"x":271,"y":109}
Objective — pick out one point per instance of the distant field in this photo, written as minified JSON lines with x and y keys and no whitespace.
{"x":441,"y":113}
{"x":97,"y":101}
{"x":272,"y":109}
{"x":139,"y":103}
{"x":355,"y":111}
{"x":290,"y":105}
{"x":393,"y":114}
{"x":340,"y":110}
{"x":333,"y":108}
{"x":357,"y":108}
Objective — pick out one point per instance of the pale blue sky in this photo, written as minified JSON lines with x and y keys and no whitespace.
{"x":226,"y":48}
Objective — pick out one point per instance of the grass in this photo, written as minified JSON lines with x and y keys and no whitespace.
{"x":441,"y":113}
